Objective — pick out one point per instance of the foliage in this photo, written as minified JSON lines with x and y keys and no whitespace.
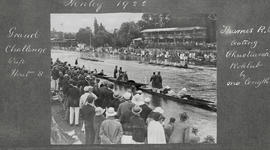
{"x":128,"y":31}
{"x":83,"y":35}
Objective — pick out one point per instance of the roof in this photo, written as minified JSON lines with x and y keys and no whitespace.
{"x":172,"y":29}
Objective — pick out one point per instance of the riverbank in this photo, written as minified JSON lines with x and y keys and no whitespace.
{"x":202,"y":82}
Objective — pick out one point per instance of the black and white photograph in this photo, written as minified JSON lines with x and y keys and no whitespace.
{"x":133,"y":78}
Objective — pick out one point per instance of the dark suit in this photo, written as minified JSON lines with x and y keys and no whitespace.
{"x":74,"y":96}
{"x":88,"y":114}
{"x":105,"y":98}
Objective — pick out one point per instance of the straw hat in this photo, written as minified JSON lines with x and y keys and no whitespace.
{"x":138,"y":100}
{"x":110,"y":112}
{"x":136,"y":110}
{"x":159,"y":110}
{"x":127,"y":96}
{"x":139,"y":92}
{"x":147,"y":100}
{"x":99,"y":111}
{"x":184,"y":90}
{"x":167,"y":87}
{"x":88,"y":88}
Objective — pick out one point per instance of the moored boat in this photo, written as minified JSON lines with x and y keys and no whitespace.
{"x":91,"y":59}
{"x":170,"y":65}
{"x":196,"y":102}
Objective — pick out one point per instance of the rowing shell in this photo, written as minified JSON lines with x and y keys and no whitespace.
{"x":196,"y":102}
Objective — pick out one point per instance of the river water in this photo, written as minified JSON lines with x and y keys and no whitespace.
{"x":200,"y":81}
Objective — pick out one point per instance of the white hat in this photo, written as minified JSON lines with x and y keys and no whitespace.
{"x":167,"y":87}
{"x":88,"y":88}
{"x":99,"y":111}
{"x":147,"y":100}
{"x":127,"y":96}
{"x":138,"y":100}
{"x":159,"y":110}
{"x":110,"y":112}
{"x":184,"y":89}
{"x":136,"y":110}
{"x":139,"y":92}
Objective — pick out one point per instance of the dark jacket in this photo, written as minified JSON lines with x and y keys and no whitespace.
{"x":88,"y":113}
{"x":159,"y":81}
{"x":97,"y":123}
{"x":55,"y":73}
{"x":105,"y":97}
{"x":145,"y":111}
{"x":153,"y":79}
{"x":138,"y":126}
{"x":73,"y":97}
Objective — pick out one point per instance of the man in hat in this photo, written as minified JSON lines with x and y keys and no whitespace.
{"x":181,"y":130}
{"x":169,"y":128}
{"x":138,"y":126}
{"x":125,"y":107}
{"x":138,"y":98}
{"x":88,"y":90}
{"x":110,"y":130}
{"x":99,"y":118}
{"x":124,"y":114}
{"x":209,"y":140}
{"x":88,"y":113}
{"x":194,"y":137}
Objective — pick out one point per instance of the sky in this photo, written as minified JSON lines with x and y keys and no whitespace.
{"x":73,"y":22}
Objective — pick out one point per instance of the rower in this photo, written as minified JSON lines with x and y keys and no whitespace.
{"x":183,"y":93}
{"x":101,"y":72}
{"x":168,"y":91}
{"x":125,"y":76}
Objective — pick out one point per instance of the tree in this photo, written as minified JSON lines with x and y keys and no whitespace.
{"x":83,"y":35}
{"x":150,"y":21}
{"x":127,"y":32}
{"x":96,"y":27}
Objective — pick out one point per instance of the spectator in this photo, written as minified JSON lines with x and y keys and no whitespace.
{"x":169,"y":128}
{"x":99,"y":118}
{"x":193,"y":137}
{"x":209,"y":140}
{"x":138,"y":126}
{"x":146,"y":110}
{"x":181,"y":129}
{"x":155,"y":131}
{"x":88,"y":113}
{"x":124,"y":114}
{"x":110,"y":130}
{"x":73,"y":101}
